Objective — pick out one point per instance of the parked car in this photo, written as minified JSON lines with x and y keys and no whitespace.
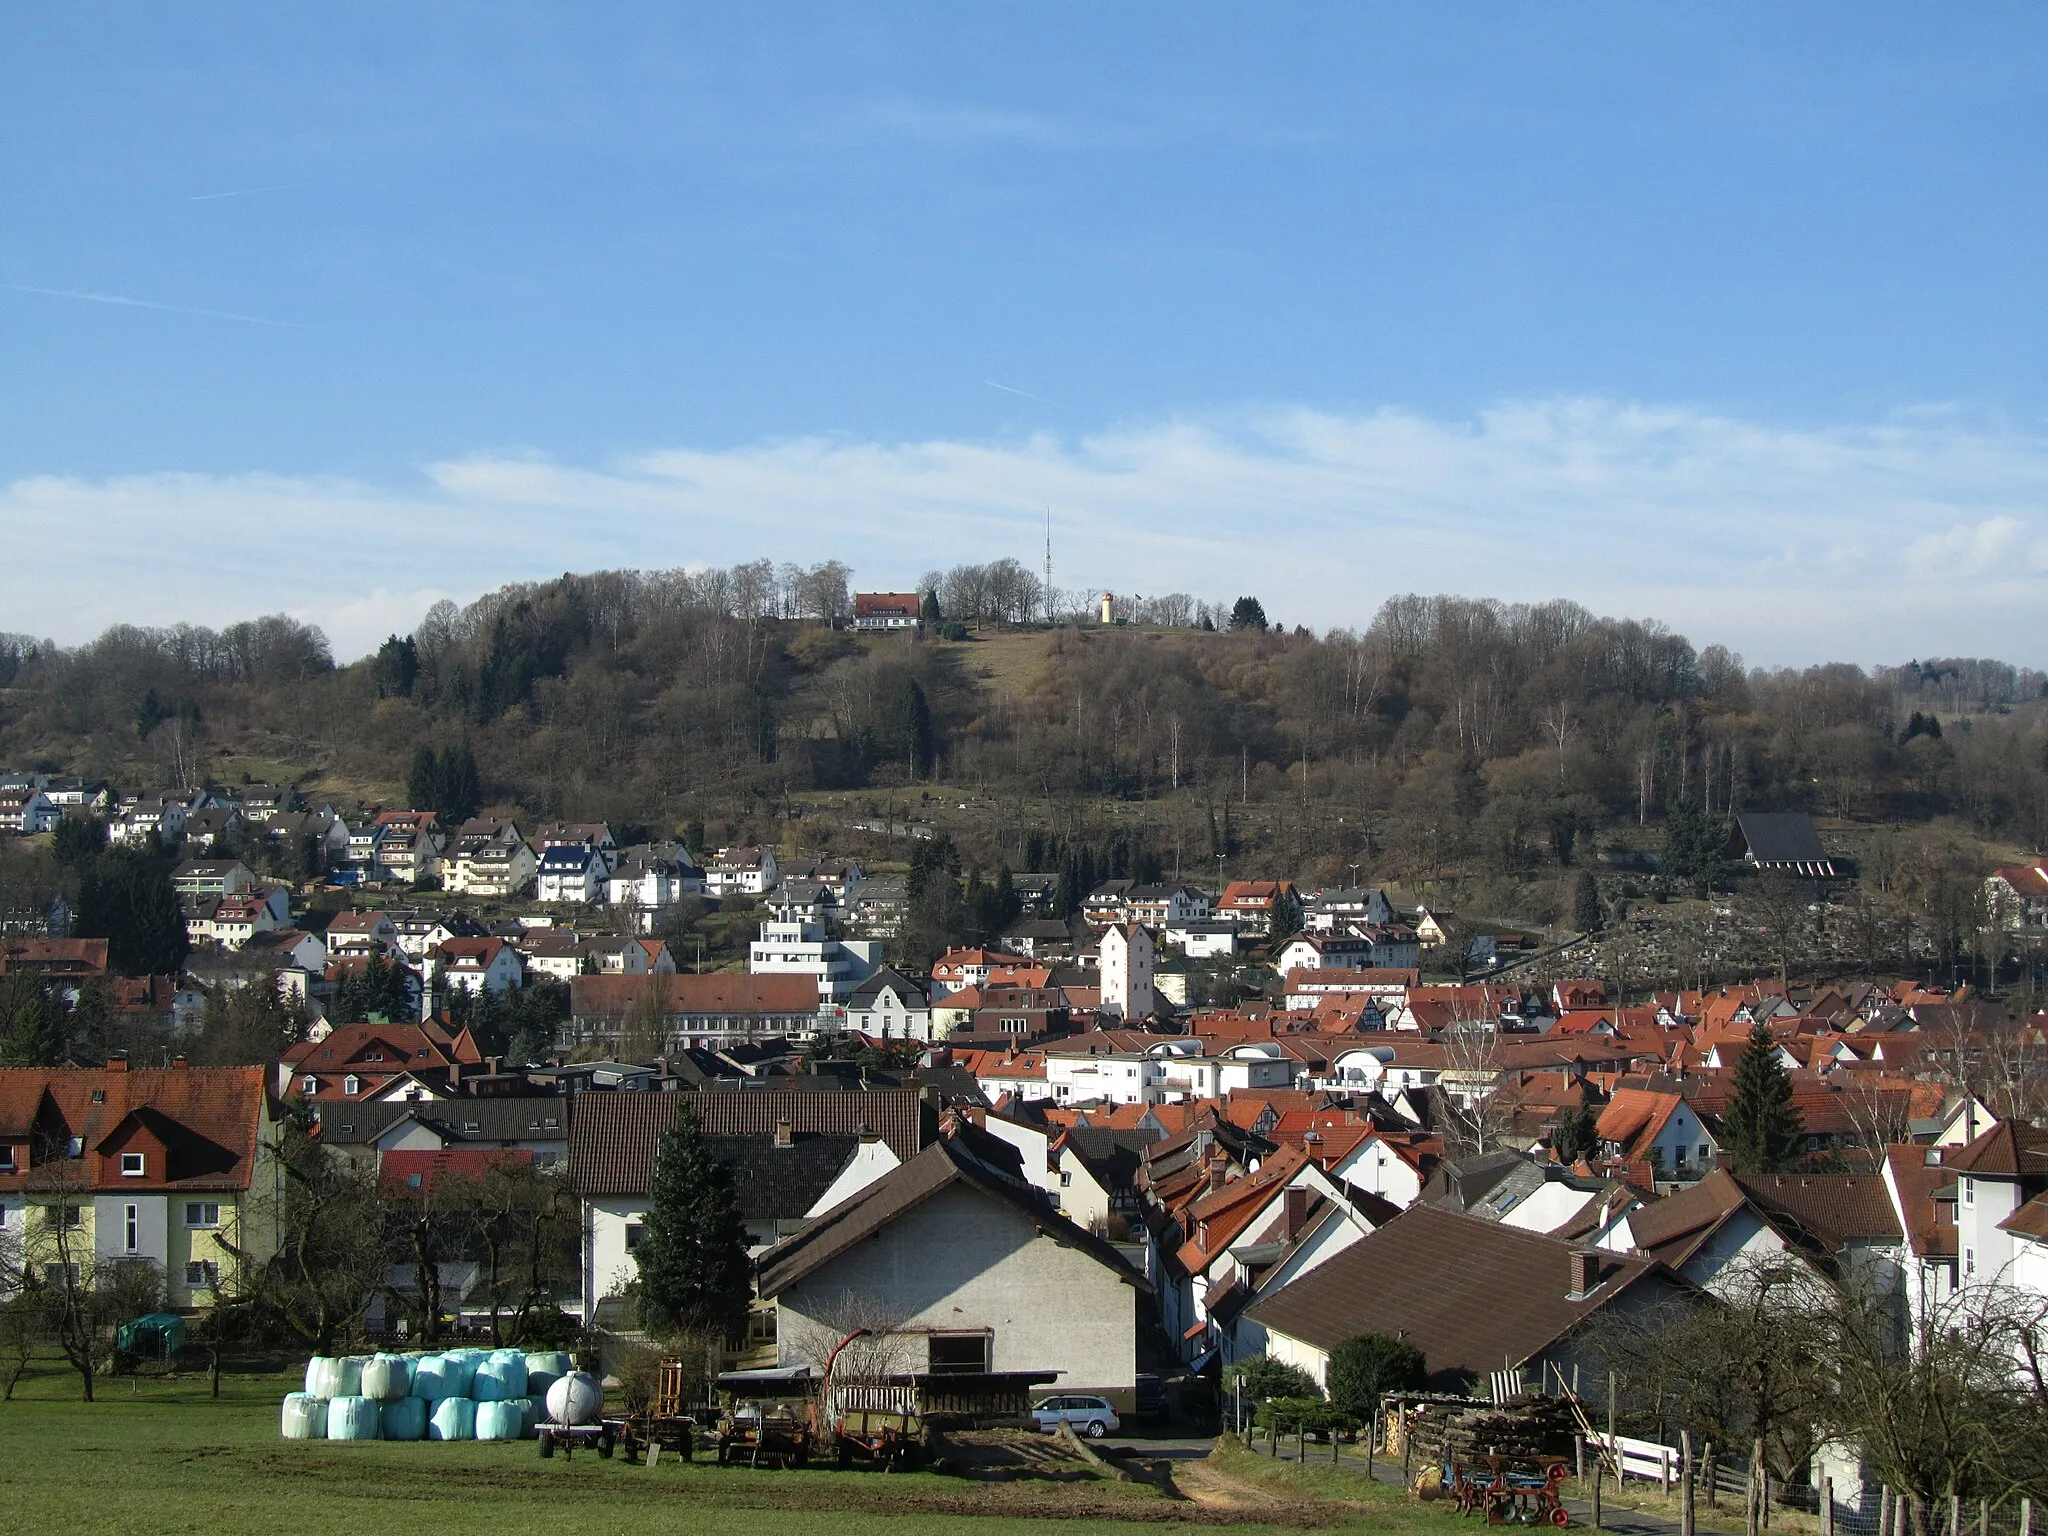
{"x":1090,"y":1416}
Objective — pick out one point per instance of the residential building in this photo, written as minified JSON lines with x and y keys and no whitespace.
{"x":889,"y":1006}
{"x":802,"y":949}
{"x":362,"y":1063}
{"x":1484,"y":1302}
{"x":750,"y":871}
{"x":1783,"y":842}
{"x":964,"y":1253}
{"x":1127,"y":954}
{"x":26,"y":811}
{"x":1254,"y":904}
{"x":172,"y":1167}
{"x":570,"y":872}
{"x":709,"y":1011}
{"x":488,"y":858}
{"x":480,"y":965}
{"x":886,"y":610}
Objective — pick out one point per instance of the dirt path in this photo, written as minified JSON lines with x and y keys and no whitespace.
{"x":1203,"y":1485}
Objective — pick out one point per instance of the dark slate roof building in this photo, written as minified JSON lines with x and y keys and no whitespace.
{"x":1784,"y":842}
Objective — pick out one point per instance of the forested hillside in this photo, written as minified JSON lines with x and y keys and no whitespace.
{"x":1442,"y":737}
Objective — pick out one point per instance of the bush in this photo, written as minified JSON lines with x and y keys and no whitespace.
{"x":1364,"y":1369}
{"x":1263,"y":1379}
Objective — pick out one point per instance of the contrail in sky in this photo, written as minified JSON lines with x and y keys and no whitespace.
{"x":286,"y":186}
{"x":1006,"y":389}
{"x":170,"y":309}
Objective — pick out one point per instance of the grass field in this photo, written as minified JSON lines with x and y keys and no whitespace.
{"x":165,"y":1457}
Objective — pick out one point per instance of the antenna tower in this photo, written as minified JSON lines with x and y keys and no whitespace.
{"x":1048,"y":554}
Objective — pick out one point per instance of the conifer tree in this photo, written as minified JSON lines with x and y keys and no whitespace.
{"x":694,"y":1274}
{"x":35,"y":1030}
{"x":1586,"y":916}
{"x":1761,"y":1129}
{"x":423,"y":784}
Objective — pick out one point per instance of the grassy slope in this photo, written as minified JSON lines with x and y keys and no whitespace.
{"x":163,"y":1457}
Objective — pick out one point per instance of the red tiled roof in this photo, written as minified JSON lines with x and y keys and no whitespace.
{"x":693,"y":995}
{"x":402,"y":1173}
{"x":198,"y":1127}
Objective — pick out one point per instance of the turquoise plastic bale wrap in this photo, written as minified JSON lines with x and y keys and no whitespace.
{"x":458,"y":1371}
{"x":454,"y":1418}
{"x":348,"y":1376}
{"x":305,"y":1418}
{"x":405,"y":1419}
{"x":439,"y":1376}
{"x":545,"y":1368}
{"x":500,"y":1377}
{"x":499,"y":1420}
{"x":316,"y":1376}
{"x":387,"y":1378}
{"x":529,"y":1414}
{"x":354,"y":1418}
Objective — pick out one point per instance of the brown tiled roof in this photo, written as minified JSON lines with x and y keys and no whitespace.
{"x":612,"y":1134}
{"x":208,"y":1120}
{"x":940,"y":1166}
{"x":1917,"y":1180}
{"x":1673,"y":1229}
{"x":690,"y":995}
{"x":1469,"y":1294}
{"x":2011,"y":1149}
{"x":70,"y":957}
{"x":1836,"y":1208}
{"x":2030,"y":1220}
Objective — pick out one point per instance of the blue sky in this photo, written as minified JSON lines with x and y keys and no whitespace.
{"x":1726,"y":315}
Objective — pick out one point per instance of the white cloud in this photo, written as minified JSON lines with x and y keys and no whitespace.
{"x":1919,"y":534}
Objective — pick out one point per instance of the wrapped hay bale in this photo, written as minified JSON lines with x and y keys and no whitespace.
{"x":454,"y":1418}
{"x":499,"y":1419}
{"x":500,"y":1377}
{"x":529,"y":1414}
{"x":543,"y":1369}
{"x":405,"y":1419}
{"x":305,"y":1417}
{"x":354,"y":1418}
{"x":387,"y":1378}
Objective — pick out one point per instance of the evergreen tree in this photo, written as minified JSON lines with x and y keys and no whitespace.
{"x":928,"y":611}
{"x":462,"y":790}
{"x":1247,"y":613}
{"x":917,"y":730}
{"x":1586,"y":914}
{"x":1761,"y":1129}
{"x":397,"y":668}
{"x":1573,"y":1136}
{"x":694,"y":1273}
{"x":1693,"y":843}
{"x":1364,"y":1369}
{"x":35,"y":1028}
{"x":423,"y":784}
{"x":78,"y":840}
{"x":127,"y":899}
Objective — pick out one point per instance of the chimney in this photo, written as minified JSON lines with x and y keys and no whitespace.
{"x":118,"y":1062}
{"x":1295,"y":1210}
{"x":784,"y":1135}
{"x":181,"y":1064}
{"x":1216,"y":1172}
{"x":1585,"y":1272}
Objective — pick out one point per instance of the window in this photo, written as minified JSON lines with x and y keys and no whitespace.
{"x":1703,"y":1152}
{"x":202,"y":1213}
{"x":1066,"y":1179}
{"x":61,"y":1276}
{"x":131,"y":1228}
{"x":1969,"y":1191}
{"x":1969,"y":1261}
{"x":64,"y":1216}
{"x":634,"y":1232}
{"x":134,"y":1165}
{"x":351,"y":1084}
{"x":202,"y":1274}
{"x":959,"y":1354}
{"x":309,"y":1085}
{"x":75,"y":1147}
{"x":471,"y":1126}
{"x":6,"y":1157}
{"x":99,"y":1095}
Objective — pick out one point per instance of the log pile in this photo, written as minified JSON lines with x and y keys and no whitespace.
{"x":1520,"y":1427}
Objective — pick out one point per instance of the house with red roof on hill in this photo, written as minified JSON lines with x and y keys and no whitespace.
{"x":1253,"y":904}
{"x":359,"y":1063}
{"x":422,"y":1175}
{"x":167,"y":1167}
{"x":1659,"y":1138}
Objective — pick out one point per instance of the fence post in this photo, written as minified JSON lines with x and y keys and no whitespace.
{"x":1955,"y":1514}
{"x":1983,"y":1517}
{"x":2026,"y":1517}
{"x":1685,"y":1491}
{"x":1884,"y":1509}
{"x":1713,"y":1477}
{"x":1664,"y":1468}
{"x":1610,"y":1425}
{"x":1827,"y":1506}
{"x":1579,"y":1444}
{"x":1407,"y":1452}
{"x":1372,"y":1435}
{"x":1599,"y":1467}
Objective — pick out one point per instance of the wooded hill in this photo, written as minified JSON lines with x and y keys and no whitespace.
{"x":1445,"y":736}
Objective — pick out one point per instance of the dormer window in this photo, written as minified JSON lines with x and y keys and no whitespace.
{"x":309,"y":1085}
{"x":75,"y":1147}
{"x":134,"y":1165}
{"x":351,"y":1084}
{"x":99,"y":1095}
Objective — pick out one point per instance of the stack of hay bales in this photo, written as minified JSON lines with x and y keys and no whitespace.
{"x":456,"y":1394}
